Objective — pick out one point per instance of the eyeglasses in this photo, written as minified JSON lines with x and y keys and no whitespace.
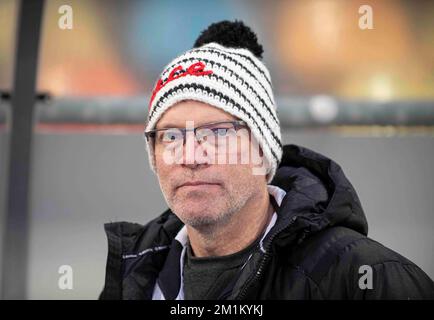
{"x":208,"y":132}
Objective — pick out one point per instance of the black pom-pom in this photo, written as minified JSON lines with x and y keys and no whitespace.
{"x":232,"y":35}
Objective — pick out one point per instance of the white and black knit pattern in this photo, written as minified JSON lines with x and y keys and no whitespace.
{"x":239,"y":84}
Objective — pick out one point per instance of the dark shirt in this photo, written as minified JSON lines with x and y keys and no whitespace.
{"x":207,"y":277}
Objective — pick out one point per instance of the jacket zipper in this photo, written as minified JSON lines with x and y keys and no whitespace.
{"x":256,"y":276}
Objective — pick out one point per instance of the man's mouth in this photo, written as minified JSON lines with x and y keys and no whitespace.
{"x":198,"y":184}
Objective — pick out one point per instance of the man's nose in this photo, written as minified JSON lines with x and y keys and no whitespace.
{"x":195,"y":154}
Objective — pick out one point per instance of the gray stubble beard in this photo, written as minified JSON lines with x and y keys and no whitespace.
{"x":207,"y":224}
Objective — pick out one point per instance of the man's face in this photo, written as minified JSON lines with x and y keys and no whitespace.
{"x":204,"y":193}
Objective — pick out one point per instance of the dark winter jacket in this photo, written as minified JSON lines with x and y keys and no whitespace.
{"x":317,"y":249}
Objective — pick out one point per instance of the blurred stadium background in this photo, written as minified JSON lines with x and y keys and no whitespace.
{"x":365,"y":98}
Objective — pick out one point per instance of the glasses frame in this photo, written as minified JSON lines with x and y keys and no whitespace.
{"x":151,"y":134}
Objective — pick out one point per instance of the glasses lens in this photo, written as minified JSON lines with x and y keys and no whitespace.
{"x":212,"y":132}
{"x":170,"y":135}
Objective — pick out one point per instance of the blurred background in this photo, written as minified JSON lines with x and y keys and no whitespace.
{"x":364,"y":97}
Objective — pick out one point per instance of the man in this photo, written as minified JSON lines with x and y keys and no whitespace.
{"x":248,"y":218}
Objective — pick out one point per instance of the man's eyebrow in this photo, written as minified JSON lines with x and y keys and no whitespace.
{"x":168,"y":125}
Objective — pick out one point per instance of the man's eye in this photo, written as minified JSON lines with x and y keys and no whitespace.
{"x":171,"y":136}
{"x":222,"y":132}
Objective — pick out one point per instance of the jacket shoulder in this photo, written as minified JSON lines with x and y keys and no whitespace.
{"x":134,"y":236}
{"x":126,"y":238}
{"x":321,"y":250}
{"x":346,"y":264}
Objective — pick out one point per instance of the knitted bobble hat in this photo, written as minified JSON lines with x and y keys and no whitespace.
{"x":224,"y":69}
